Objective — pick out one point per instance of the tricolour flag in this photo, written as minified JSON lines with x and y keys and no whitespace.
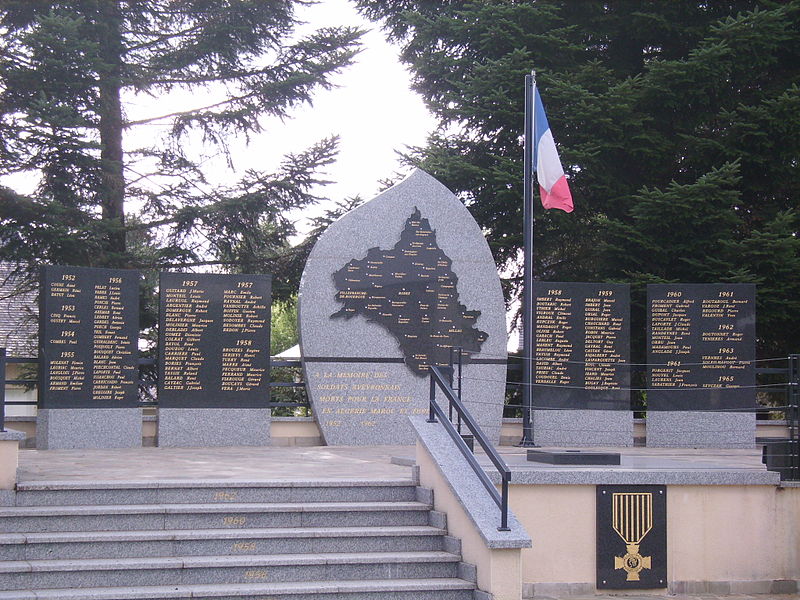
{"x":553,"y":184}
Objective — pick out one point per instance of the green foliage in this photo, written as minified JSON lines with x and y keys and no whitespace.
{"x":677,"y":123}
{"x":66,"y":73}
{"x":284,"y":325}
{"x":283,"y":336}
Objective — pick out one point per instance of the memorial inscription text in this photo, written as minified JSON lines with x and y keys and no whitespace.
{"x":701,"y":346}
{"x":214,"y":336}
{"x":88,"y":337}
{"x":581,"y":345}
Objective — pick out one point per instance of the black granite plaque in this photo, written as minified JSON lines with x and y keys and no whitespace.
{"x":88,"y":332}
{"x":411,"y":290}
{"x":214,"y":335}
{"x":701,"y":346}
{"x":581,"y":345}
{"x":631,"y":537}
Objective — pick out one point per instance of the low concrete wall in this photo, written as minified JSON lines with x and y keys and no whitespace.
{"x":295,"y":431}
{"x":720,"y":538}
{"x":472,"y":516}
{"x":9,"y":458}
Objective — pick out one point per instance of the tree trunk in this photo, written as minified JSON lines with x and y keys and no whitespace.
{"x":112,"y":187}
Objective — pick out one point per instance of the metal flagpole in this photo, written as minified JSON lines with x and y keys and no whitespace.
{"x":527,"y":283}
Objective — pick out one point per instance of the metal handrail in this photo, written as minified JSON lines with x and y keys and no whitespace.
{"x":438,"y":379}
{"x":6,"y":360}
{"x":793,"y":416}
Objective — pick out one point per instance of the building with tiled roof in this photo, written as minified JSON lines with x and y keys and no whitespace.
{"x":18,"y":315}
{"x":18,"y":335}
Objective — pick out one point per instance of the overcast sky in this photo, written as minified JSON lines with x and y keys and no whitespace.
{"x":371,"y":109}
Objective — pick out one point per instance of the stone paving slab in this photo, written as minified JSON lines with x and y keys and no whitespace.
{"x":347,"y":462}
{"x":229,"y":464}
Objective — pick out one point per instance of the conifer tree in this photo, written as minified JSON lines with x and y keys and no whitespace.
{"x":677,"y":123}
{"x":67,"y":72}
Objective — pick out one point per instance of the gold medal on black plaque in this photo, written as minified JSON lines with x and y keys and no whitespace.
{"x":632,"y":519}
{"x":631,"y":537}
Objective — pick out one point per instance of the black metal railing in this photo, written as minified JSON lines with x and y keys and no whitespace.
{"x":145,"y":382}
{"x":783,"y":454}
{"x":780,"y":384}
{"x":793,"y":415}
{"x":438,"y":380}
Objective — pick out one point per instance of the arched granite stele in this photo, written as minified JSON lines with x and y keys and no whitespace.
{"x":360,"y":387}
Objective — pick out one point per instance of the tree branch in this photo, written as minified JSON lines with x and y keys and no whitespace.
{"x":187,"y":112}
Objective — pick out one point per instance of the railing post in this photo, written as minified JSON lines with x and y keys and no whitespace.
{"x":3,"y":389}
{"x":460,"y":360}
{"x":504,"y":502}
{"x":431,"y":413}
{"x":450,"y":404}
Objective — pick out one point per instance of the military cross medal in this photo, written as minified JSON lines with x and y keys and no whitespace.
{"x":632,"y":520}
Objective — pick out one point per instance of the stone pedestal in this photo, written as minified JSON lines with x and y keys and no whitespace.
{"x":206,"y":427}
{"x":685,"y":429}
{"x":583,"y":428}
{"x":64,"y":428}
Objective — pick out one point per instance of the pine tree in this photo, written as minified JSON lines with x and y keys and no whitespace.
{"x":677,"y":123}
{"x":67,"y":72}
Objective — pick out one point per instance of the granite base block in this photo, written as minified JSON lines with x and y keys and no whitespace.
{"x":583,"y":428}
{"x":691,"y":429}
{"x":208,"y":427}
{"x":69,"y":428}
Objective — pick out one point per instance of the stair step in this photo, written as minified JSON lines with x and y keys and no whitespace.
{"x":183,"y":542}
{"x":182,"y":570}
{"x":216,"y":540}
{"x":385,"y":589}
{"x":210,"y":516}
{"x":181,"y":491}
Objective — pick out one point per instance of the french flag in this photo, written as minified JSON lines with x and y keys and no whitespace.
{"x":553,"y":184}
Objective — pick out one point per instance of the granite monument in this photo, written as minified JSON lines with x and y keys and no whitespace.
{"x":389,"y":289}
{"x":214,"y":360}
{"x":88,"y":359}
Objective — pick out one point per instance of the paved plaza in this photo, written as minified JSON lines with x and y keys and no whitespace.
{"x":335,"y":462}
{"x":325,"y":463}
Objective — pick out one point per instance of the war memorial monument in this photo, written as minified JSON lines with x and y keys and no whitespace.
{"x":403,"y":283}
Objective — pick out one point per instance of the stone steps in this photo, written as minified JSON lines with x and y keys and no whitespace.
{"x":339,"y":540}
{"x":384,"y":589}
{"x":187,"y":570}
{"x":209,"y":542}
{"x":179,"y":492}
{"x":210,"y":516}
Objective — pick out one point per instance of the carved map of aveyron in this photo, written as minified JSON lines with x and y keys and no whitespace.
{"x":411,"y":291}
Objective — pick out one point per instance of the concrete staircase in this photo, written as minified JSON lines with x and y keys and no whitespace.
{"x":354,"y":540}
